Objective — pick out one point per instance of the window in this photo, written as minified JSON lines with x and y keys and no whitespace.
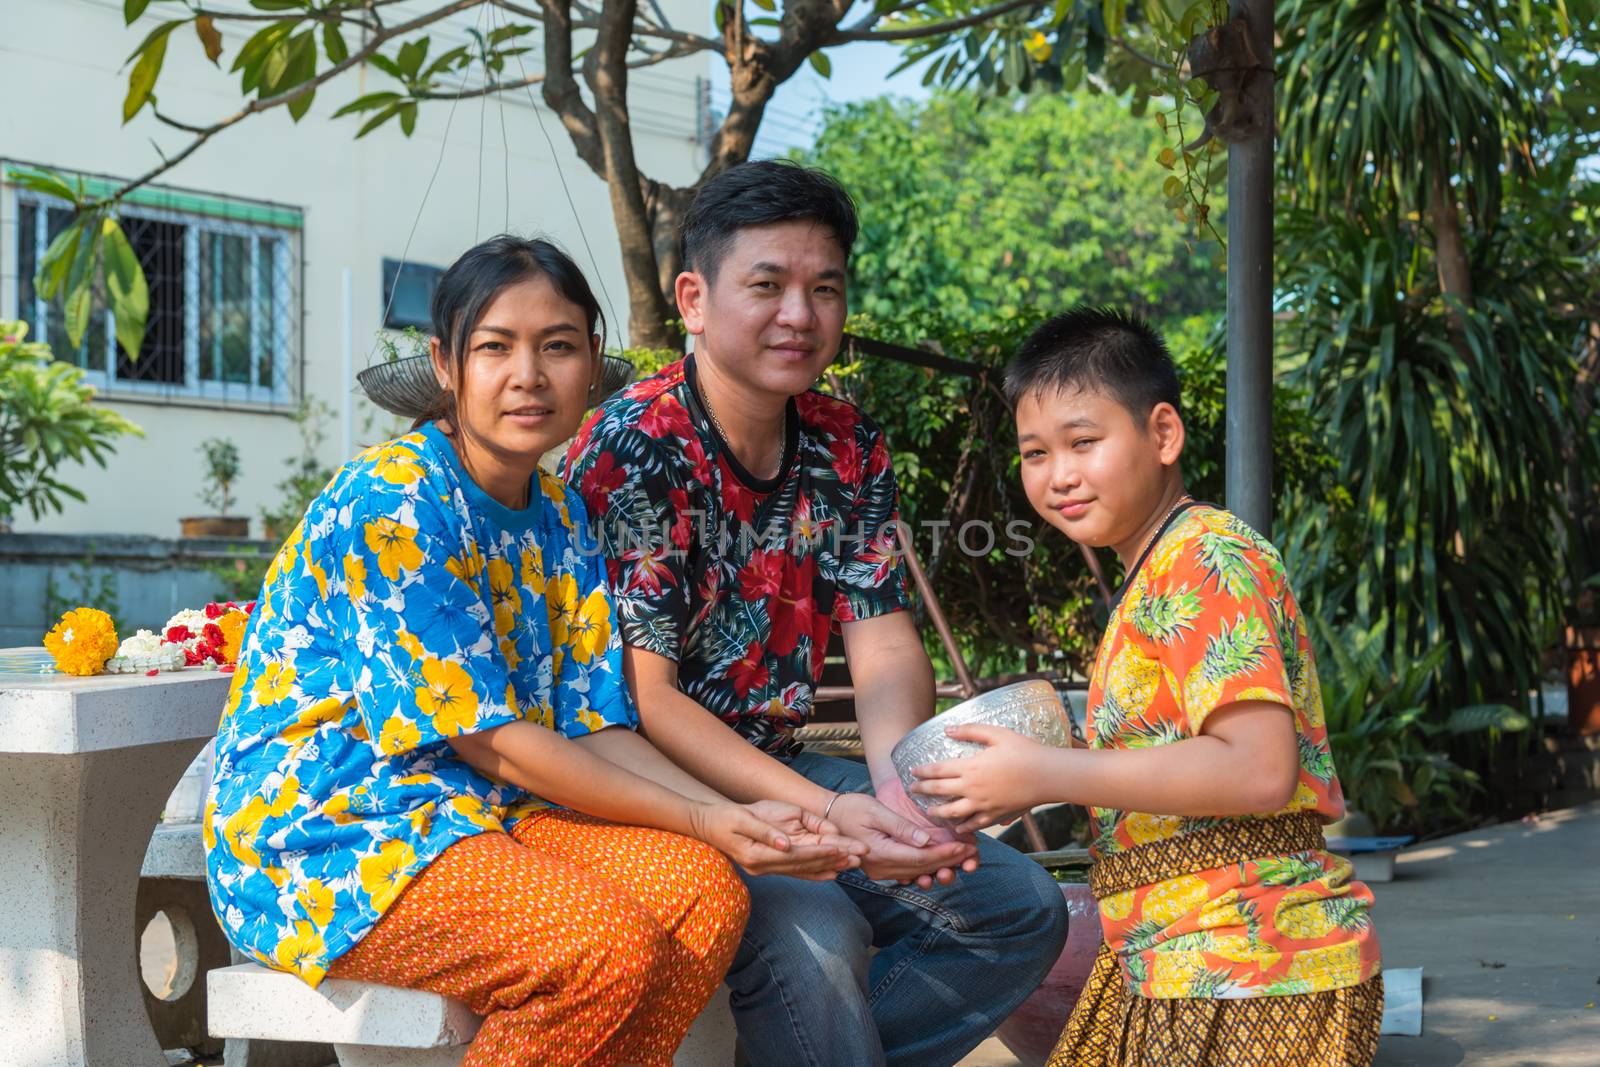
{"x":224,"y":311}
{"x":408,"y":294}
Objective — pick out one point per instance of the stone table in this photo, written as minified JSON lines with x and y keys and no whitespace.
{"x":86,"y":765}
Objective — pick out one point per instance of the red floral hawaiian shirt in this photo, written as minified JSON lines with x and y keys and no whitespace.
{"x":739,"y":579}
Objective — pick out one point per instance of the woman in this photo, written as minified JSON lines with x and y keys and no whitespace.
{"x":433,"y":666}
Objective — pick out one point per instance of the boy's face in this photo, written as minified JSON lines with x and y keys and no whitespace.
{"x":1090,"y":469}
{"x":773,"y":318}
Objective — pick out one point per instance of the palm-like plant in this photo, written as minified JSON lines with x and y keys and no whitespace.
{"x":1418,"y":101}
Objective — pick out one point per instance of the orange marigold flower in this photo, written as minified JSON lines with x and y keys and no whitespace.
{"x":232,"y":626}
{"x":82,"y":641}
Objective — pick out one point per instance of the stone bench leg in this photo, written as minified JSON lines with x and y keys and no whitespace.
{"x":180,"y":1017}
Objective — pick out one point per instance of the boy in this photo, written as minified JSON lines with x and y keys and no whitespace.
{"x":1231,"y":934}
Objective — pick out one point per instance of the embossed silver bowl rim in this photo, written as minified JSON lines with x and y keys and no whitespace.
{"x":1032,"y":708}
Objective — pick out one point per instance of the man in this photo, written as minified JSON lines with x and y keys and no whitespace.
{"x":743,"y":516}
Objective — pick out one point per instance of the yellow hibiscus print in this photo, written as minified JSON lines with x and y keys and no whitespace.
{"x":355,"y":576}
{"x":243,"y":828}
{"x":477,"y":812}
{"x":303,"y":953}
{"x":316,"y":900}
{"x":320,"y":575}
{"x":395,"y":464}
{"x":507,"y":600}
{"x":241,"y":679}
{"x":467,"y":566}
{"x":383,"y":876}
{"x":396,"y":546}
{"x":276,"y":683}
{"x":447,"y":696}
{"x":326,"y":710}
{"x":561,"y":604}
{"x":411,"y":643}
{"x":533,"y":568}
{"x":592,"y":720}
{"x":398,"y":735}
{"x":590,"y":631}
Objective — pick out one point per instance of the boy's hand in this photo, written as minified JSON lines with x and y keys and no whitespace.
{"x":988,"y":787}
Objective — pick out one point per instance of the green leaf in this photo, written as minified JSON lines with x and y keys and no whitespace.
{"x":377,"y":120}
{"x":1113,"y":12}
{"x":333,"y":43}
{"x":210,"y":38}
{"x":1172,"y":187}
{"x":412,"y":53}
{"x":821,"y":64}
{"x":132,"y":9}
{"x":367,"y":103}
{"x":143,"y":77}
{"x":765,"y":5}
{"x":1476,"y":718}
{"x":408,"y":117}
{"x":126,"y":288}
{"x":56,"y":262}
{"x":46,"y":182}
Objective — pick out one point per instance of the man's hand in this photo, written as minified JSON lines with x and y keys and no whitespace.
{"x":985,"y":788}
{"x":892,"y":795}
{"x":897,"y":848}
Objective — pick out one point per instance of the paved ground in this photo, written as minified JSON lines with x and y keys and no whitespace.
{"x":1505,"y":923}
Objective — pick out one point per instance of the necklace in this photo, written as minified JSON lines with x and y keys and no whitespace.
{"x":1182,"y":500}
{"x":783,"y":426}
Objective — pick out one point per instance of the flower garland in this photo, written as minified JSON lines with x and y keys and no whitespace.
{"x":82,"y":641}
{"x":210,"y":637}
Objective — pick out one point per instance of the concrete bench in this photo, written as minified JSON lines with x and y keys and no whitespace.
{"x":372,"y":1025}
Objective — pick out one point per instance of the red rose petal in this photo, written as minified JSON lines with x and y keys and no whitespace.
{"x":177,"y":635}
{"x":215,"y":611}
{"x":152,"y":673}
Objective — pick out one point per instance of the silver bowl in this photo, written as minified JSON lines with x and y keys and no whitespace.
{"x":408,"y":388}
{"x":1031,"y":708}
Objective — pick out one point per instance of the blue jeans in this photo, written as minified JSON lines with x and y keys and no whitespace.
{"x":952,"y":962}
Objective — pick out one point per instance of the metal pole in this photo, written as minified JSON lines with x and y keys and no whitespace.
{"x":1249,"y":406}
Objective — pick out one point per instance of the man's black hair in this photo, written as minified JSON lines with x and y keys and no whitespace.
{"x":762,"y":193}
{"x":1101,"y":348}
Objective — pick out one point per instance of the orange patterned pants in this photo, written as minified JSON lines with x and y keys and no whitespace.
{"x":579,"y":941}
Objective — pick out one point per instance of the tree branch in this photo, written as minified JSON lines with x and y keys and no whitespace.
{"x":561,"y":92}
{"x":258,"y":105}
{"x":1149,"y":61}
{"x":934,"y":29}
{"x":641,"y":28}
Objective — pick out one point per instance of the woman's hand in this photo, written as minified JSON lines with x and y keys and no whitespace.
{"x":771,"y":837}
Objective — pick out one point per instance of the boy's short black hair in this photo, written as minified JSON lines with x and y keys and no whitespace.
{"x":1096,"y":348}
{"x":762,"y":193}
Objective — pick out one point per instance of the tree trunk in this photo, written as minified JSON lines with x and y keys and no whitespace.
{"x":1450,"y":250}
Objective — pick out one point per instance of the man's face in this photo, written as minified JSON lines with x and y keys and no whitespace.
{"x":774,"y":316}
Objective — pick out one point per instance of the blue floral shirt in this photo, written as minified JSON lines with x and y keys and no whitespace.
{"x":408,"y":607}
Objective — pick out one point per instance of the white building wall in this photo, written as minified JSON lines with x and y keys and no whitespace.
{"x":61,"y":91}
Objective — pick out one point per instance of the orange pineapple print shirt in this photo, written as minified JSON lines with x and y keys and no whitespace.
{"x":1208,"y":621}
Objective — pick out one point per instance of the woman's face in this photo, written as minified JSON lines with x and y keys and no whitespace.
{"x":530,"y":361}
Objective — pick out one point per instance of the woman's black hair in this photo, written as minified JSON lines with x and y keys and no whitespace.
{"x":473,"y":282}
